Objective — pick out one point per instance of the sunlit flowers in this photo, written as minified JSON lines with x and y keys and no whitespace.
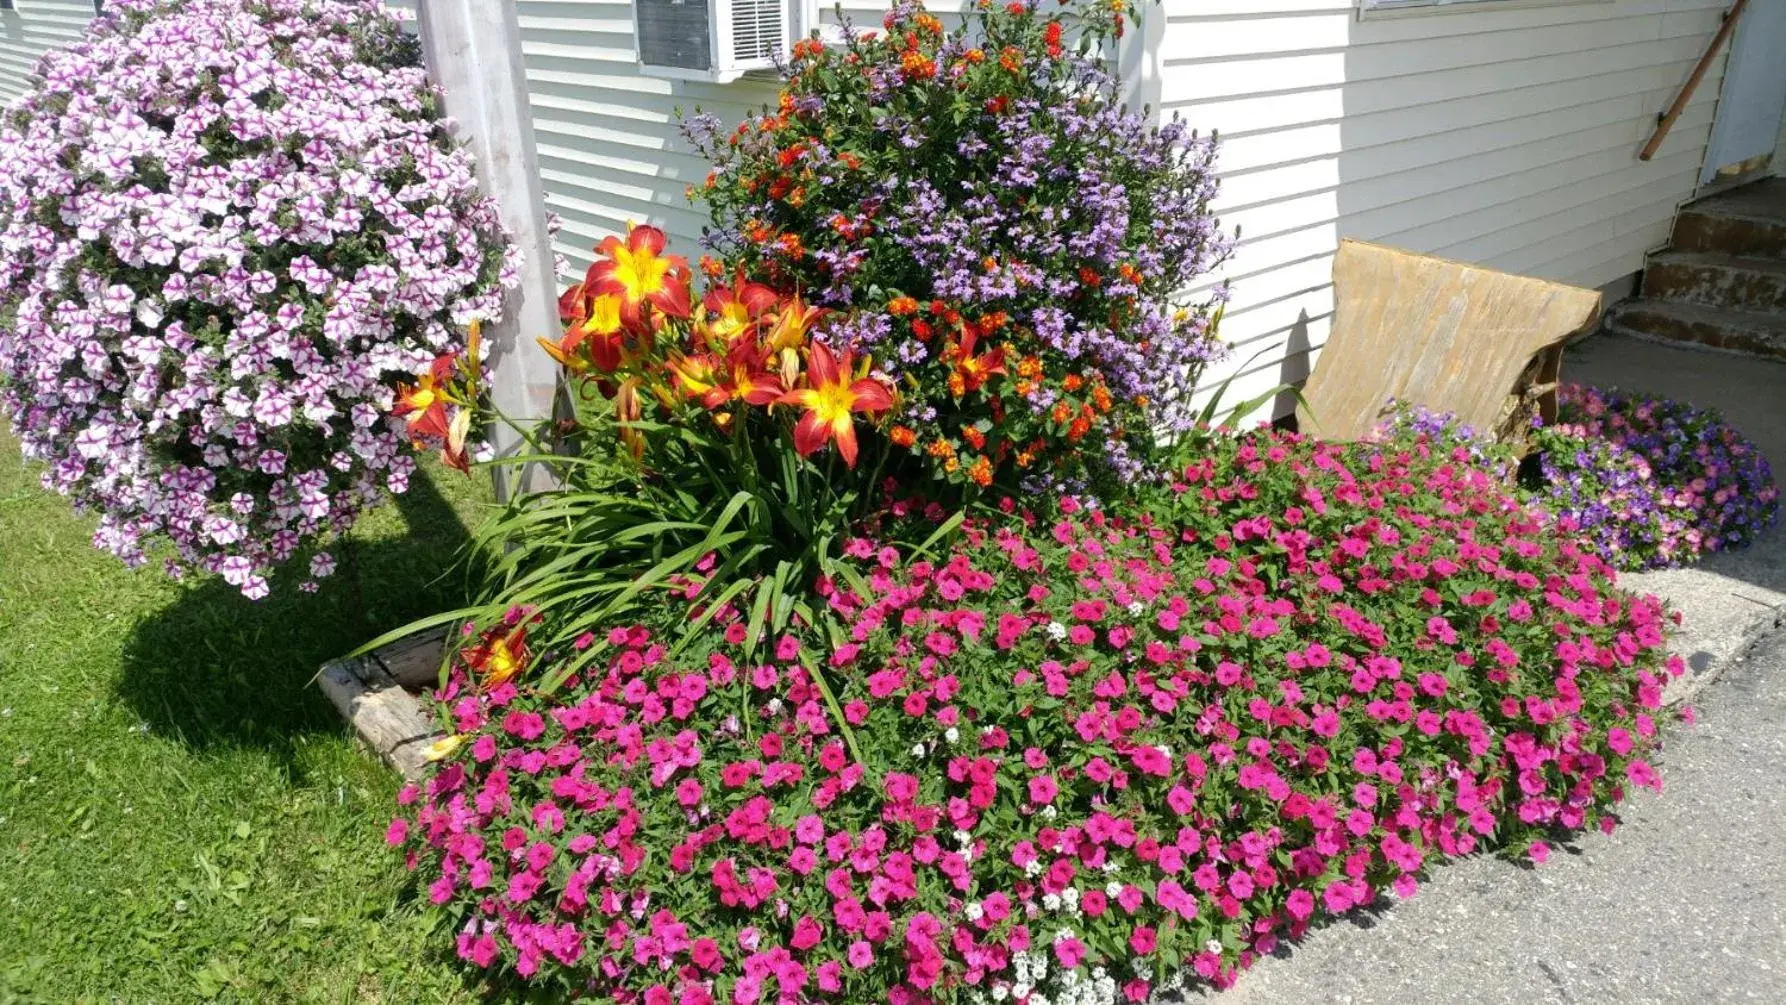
{"x":637,"y":271}
{"x":1105,"y":757}
{"x":746,"y":354}
{"x":289,"y":230}
{"x":831,"y":400}
{"x":440,"y":406}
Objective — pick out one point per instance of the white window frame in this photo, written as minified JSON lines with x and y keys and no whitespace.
{"x":1369,"y":10}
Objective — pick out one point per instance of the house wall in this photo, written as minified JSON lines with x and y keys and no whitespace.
{"x":28,"y":32}
{"x":1506,"y":136}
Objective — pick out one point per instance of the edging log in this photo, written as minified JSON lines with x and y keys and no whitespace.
{"x":384,"y":714}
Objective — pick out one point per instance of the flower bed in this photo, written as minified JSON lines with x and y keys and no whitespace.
{"x":1078,"y":758}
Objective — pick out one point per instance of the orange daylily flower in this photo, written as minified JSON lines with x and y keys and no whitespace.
{"x":638,"y":272}
{"x":425,"y":401}
{"x":737,"y":309}
{"x":793,"y":323}
{"x":453,"y":454}
{"x":698,"y":376}
{"x":599,"y":324}
{"x":498,"y":656}
{"x":973,"y":371}
{"x":749,"y":381}
{"x":831,"y":399}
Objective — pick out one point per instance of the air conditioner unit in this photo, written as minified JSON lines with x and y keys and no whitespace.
{"x":715,"y":40}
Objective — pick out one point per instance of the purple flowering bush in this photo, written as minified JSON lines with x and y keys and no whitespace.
{"x":227,"y":227}
{"x":1008,"y":241}
{"x":1606,"y":494}
{"x":1714,"y":490}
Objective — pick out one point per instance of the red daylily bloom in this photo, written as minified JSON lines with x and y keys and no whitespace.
{"x":425,"y":401}
{"x":749,"y":381}
{"x":698,"y":376}
{"x":737,"y":309}
{"x":638,"y":272}
{"x":973,"y":370}
{"x":500,"y":654}
{"x":830,"y":399}
{"x":599,"y":324}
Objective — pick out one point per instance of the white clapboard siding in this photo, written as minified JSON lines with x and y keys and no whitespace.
{"x":1505,"y":136}
{"x":610,"y":151}
{"x":33,"y":29}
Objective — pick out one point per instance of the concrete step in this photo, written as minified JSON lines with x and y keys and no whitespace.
{"x":1748,"y":222}
{"x":1757,"y":332}
{"x":1747,"y":284}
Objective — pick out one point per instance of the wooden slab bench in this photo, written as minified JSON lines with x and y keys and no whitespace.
{"x":1454,"y":337}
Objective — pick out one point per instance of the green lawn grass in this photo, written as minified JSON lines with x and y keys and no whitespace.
{"x":182,"y":814}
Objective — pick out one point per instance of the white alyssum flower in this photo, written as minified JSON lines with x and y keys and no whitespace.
{"x":1135,"y":608}
{"x":1057,"y":631}
{"x":951,"y":734}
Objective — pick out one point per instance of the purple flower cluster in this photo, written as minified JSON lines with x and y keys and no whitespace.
{"x":1714,"y":488}
{"x":1650,"y":482}
{"x":226,"y":226}
{"x":1405,"y":420}
{"x":1606,"y":493}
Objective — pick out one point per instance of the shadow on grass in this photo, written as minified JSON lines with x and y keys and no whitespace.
{"x":215,"y":669}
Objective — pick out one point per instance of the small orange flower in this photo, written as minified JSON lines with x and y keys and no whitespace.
{"x":903,"y":436}
{"x":981,"y":472}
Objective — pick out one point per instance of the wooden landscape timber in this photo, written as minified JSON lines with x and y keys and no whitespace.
{"x":376,"y":693}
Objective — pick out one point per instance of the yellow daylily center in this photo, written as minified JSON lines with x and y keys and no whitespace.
{"x":831,"y":403}
{"x":641,"y":273}
{"x":604,"y":316}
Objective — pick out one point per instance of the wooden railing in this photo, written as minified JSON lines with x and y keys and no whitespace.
{"x":1666,"y":121}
